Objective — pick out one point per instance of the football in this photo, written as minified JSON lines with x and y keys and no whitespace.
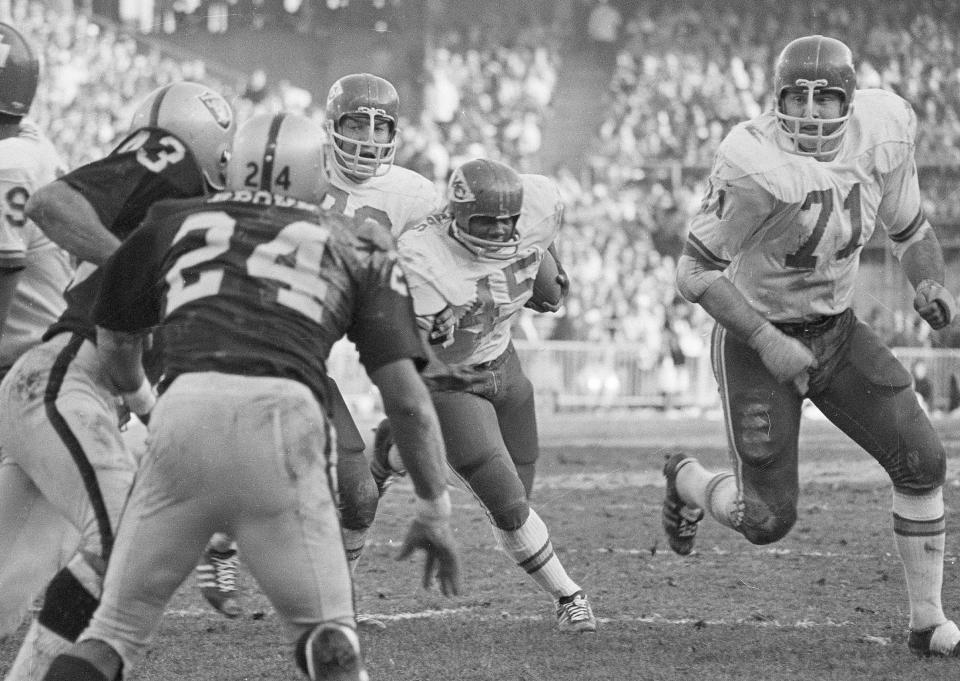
{"x":545,"y":286}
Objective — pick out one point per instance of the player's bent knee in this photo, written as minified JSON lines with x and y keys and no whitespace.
{"x":920,"y":472}
{"x":767,"y":527}
{"x":327,"y":650}
{"x":512,"y":517}
{"x":71,"y":668}
{"x":356,"y":490}
{"x":67,"y":606}
{"x":358,"y":504}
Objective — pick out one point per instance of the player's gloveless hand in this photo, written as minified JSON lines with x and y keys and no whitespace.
{"x":934,"y":303}
{"x":789,"y":360}
{"x":442,"y":561}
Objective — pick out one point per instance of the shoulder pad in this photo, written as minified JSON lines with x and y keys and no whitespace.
{"x":884,"y":123}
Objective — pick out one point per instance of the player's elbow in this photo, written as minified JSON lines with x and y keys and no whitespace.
{"x":693,"y":279}
{"x":46,"y":205}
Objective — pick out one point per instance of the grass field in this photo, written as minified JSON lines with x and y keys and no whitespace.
{"x":827,"y":602}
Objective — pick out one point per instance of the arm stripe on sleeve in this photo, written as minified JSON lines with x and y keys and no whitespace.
{"x":910,"y":229}
{"x":698,"y":251}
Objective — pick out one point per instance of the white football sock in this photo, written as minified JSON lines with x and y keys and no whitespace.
{"x":920,"y":531}
{"x":715,"y":492}
{"x":353,"y":543}
{"x":530,"y":547}
{"x":37,"y":651}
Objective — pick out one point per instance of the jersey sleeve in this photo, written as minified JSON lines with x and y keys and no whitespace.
{"x":131,"y":291}
{"x":901,"y":201}
{"x":149,"y":165}
{"x":384,"y":328}
{"x":731,"y":212}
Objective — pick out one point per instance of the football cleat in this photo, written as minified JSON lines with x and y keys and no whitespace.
{"x":369,"y":622}
{"x":574,"y":614}
{"x":334,"y":654}
{"x":383,"y":473}
{"x":217,"y":579}
{"x":679,"y":520}
{"x":942,"y":640}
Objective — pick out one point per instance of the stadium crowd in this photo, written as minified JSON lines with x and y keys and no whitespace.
{"x":681,"y":77}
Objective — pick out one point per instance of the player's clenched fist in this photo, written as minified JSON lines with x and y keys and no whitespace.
{"x":430,"y":531}
{"x":789,"y":360}
{"x":934,"y":303}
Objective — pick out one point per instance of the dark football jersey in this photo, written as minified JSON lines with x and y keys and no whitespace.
{"x":256,"y":284}
{"x":149,"y":165}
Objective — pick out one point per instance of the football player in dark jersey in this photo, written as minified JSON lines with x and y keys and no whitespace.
{"x":251,"y":288}
{"x":177,"y":147}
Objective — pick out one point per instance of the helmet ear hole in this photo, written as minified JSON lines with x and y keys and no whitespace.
{"x":200,"y":117}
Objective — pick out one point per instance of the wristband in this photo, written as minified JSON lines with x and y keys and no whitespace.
{"x":434,"y":510}
{"x":141,"y":400}
{"x":763,"y":336}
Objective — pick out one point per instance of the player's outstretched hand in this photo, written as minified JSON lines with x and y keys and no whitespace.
{"x":934,"y":303}
{"x":436,"y":539}
{"x":789,"y":360}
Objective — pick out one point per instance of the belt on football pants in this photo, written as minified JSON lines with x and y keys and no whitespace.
{"x":809,"y":328}
{"x":496,"y":362}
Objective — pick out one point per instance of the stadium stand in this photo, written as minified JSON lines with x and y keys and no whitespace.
{"x":630,"y":142}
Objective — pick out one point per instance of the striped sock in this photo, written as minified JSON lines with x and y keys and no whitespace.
{"x":531,"y":548}
{"x":919,"y":528}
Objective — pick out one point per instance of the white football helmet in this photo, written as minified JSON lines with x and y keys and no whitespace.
{"x":199,"y":116}
{"x":281,"y":154}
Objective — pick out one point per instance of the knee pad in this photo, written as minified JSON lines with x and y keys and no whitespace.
{"x":761,"y":524}
{"x":67,"y":606}
{"x":512,"y":517}
{"x":757,"y":440}
{"x":72,"y":668}
{"x":357,"y":497}
{"x":496,"y":484}
{"x":329,"y":651}
{"x":920,"y":471}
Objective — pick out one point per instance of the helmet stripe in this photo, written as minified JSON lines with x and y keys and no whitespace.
{"x":270,"y":152}
{"x":155,"y":109}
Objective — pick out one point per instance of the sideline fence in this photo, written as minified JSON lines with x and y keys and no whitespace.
{"x":577,"y":376}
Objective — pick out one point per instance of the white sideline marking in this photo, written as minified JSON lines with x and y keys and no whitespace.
{"x":655,"y":618}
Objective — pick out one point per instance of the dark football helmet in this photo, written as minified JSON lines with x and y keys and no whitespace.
{"x":279,"y":153}
{"x":362,"y":94}
{"x":485,"y":188}
{"x":815,"y":63}
{"x":19,"y":72}
{"x":197,"y":115}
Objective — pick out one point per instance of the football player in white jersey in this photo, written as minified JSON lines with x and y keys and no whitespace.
{"x":362,"y":115}
{"x":471,"y":270}
{"x":772,"y":255}
{"x":33,"y":274}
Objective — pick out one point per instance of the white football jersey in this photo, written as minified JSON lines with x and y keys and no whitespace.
{"x":397,"y":200}
{"x":27,"y":162}
{"x":788,"y":229}
{"x":485,"y":293}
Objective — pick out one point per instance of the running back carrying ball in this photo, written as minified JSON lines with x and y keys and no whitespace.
{"x":548,"y":291}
